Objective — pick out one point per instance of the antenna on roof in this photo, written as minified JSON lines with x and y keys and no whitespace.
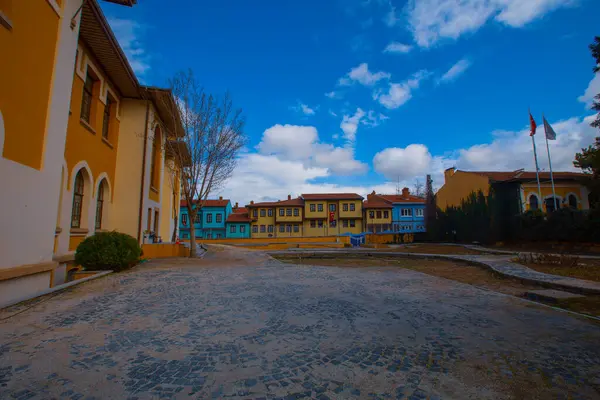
{"x":398,"y":188}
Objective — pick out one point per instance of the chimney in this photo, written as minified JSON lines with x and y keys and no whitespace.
{"x":236,"y":205}
{"x":289,"y":196}
{"x":220,"y":197}
{"x":371,"y":195}
{"x":448,"y":173}
{"x":251,"y":201}
{"x":405,"y":192}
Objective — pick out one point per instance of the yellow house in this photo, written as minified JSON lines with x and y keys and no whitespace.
{"x":77,"y":163}
{"x":332,"y":214}
{"x":377,"y":214}
{"x":569,"y":188}
{"x":262,"y":219}
{"x":288,"y":218}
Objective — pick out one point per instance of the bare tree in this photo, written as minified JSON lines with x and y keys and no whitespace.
{"x":418,"y":190}
{"x":206,"y":143}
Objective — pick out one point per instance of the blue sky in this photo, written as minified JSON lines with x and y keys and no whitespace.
{"x":356,"y":95}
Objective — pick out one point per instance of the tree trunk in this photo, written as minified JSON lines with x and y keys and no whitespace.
{"x":192,"y":240}
{"x":174,"y":236}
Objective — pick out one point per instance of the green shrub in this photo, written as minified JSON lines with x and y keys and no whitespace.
{"x":108,"y":250}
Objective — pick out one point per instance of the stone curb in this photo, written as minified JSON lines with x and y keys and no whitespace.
{"x":57,"y":288}
{"x":510,"y":270}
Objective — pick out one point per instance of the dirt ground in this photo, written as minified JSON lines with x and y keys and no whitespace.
{"x":586,"y":269}
{"x":460,"y":272}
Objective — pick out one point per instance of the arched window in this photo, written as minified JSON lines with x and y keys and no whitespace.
{"x":572,"y":201}
{"x":100,"y":204}
{"x":533,"y":203}
{"x":551,"y":205}
{"x":77,"y":200}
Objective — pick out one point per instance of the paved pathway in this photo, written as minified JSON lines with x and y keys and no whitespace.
{"x":238,"y":324}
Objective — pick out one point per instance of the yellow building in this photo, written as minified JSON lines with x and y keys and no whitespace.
{"x":276,"y":219}
{"x":332,"y":214}
{"x":70,"y":163}
{"x":377,"y":214}
{"x":569,"y":188}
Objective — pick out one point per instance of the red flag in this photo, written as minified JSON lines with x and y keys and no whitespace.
{"x":533,"y":125}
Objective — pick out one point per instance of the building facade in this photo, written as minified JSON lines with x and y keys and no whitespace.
{"x":74,"y":166}
{"x":407,"y":213}
{"x":569,"y":188}
{"x":332,"y":214}
{"x":209,"y":222}
{"x":237,"y":225}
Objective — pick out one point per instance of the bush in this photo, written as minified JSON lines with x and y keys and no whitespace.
{"x":108,"y":250}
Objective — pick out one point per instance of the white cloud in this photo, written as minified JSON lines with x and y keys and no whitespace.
{"x":403,"y":163}
{"x":304,"y":109}
{"x":128,"y":33}
{"x":302,"y":144}
{"x":456,"y":70}
{"x":399,"y":93}
{"x":374,"y":119}
{"x":350,"y":123}
{"x":397,"y":47}
{"x":332,"y":113}
{"x":592,"y":91}
{"x":362,"y":75}
{"x":433,"y":20}
{"x":513,"y":150}
{"x":331,"y":95}
{"x":391,"y":19}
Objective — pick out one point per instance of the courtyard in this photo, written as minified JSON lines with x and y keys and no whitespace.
{"x":240,"y":324}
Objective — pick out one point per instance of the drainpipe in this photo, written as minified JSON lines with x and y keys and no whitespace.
{"x":140,"y":216}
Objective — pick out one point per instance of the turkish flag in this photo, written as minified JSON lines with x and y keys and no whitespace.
{"x":331,"y":216}
{"x":532,"y":124}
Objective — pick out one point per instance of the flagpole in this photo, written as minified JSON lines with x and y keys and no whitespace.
{"x":550,"y":164}
{"x":537,"y":167}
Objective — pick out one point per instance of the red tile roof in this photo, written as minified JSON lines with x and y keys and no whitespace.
{"x":376,"y":202}
{"x":240,"y":210}
{"x":292,"y":202}
{"x":502,"y":176}
{"x":332,"y":196}
{"x":238,"y":217}
{"x":398,"y":198}
{"x":209,"y":203}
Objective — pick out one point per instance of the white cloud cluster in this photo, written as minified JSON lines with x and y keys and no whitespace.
{"x":455,"y":71}
{"x":128,"y":33}
{"x":301,"y":144}
{"x":397,"y":47}
{"x":398,"y":94}
{"x":508,"y":151}
{"x":362,"y":75}
{"x":433,"y":20}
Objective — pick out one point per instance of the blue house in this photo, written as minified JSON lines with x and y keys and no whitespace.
{"x":210,"y":222}
{"x":238,"y":224}
{"x":408,"y":212}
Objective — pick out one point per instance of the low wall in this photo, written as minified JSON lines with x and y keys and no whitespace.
{"x":316,"y":239}
{"x":385,"y":238}
{"x":165,"y":250}
{"x":285,"y":246}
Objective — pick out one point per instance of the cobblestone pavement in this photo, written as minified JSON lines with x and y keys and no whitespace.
{"x":238,"y":324}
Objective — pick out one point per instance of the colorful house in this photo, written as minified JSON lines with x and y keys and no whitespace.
{"x":89,"y":156}
{"x":237,"y":225}
{"x":276,"y":219}
{"x":332,"y":214}
{"x":210,"y":221}
{"x":377,"y":215}
{"x":569,"y":188}
{"x":407,"y":214}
